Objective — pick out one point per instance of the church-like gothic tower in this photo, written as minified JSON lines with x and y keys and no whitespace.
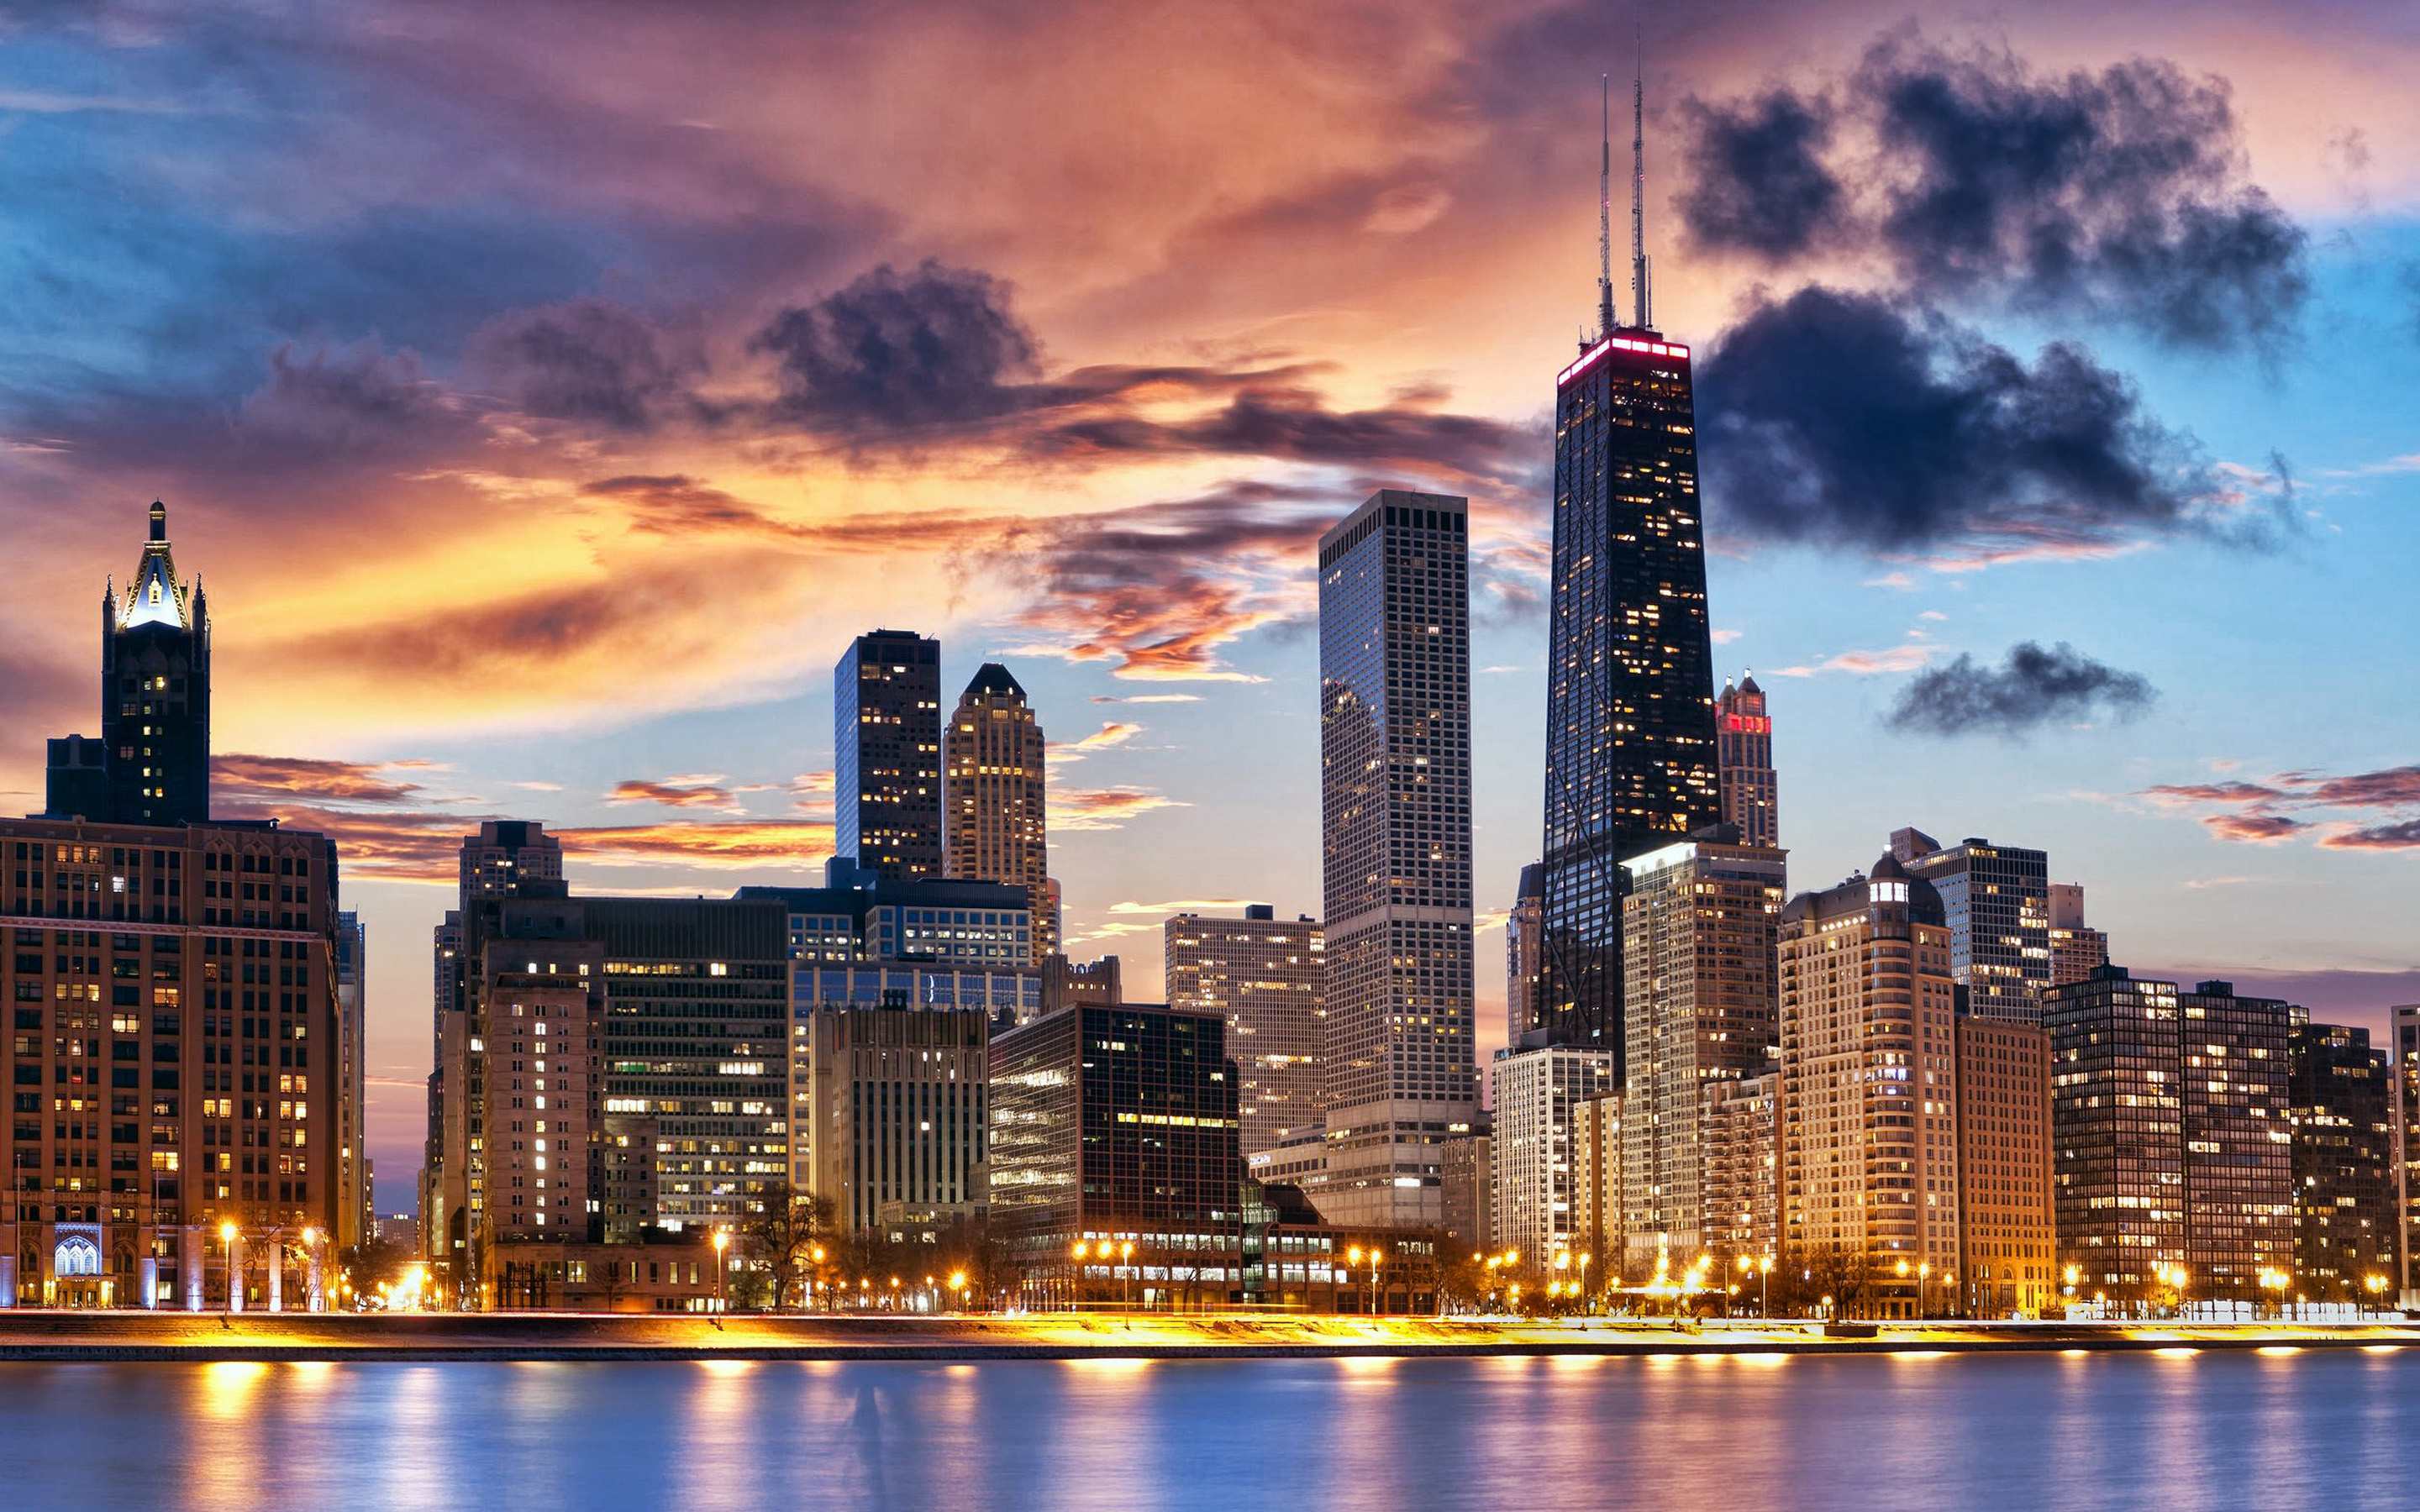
{"x":155,"y":691}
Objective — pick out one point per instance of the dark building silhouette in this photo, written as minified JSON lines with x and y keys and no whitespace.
{"x":886,"y":754}
{"x":2338,"y":1097}
{"x":1115,"y":1128}
{"x":1630,"y":715}
{"x":2170,"y":1140}
{"x":152,"y":762}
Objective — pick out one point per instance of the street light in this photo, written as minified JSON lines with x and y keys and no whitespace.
{"x":227,"y":1233}
{"x":1125,"y":1254}
{"x":721,"y":1242}
{"x":1377,"y":1255}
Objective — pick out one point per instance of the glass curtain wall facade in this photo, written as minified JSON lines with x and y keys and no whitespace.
{"x":1631,"y":759}
{"x":1116,"y":1126}
{"x":1394,"y":654}
{"x":886,"y":754}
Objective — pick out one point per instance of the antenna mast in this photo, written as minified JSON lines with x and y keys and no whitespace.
{"x":1604,"y":212}
{"x":1639,"y":191}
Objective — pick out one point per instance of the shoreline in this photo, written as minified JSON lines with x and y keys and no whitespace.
{"x":35,"y":1337}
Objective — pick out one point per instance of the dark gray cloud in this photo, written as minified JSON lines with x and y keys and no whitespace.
{"x":2032,"y":689}
{"x":589,"y":360}
{"x":938,"y":355}
{"x":1757,"y":180}
{"x":2119,"y":195}
{"x":1845,"y":420}
{"x":931,"y":347}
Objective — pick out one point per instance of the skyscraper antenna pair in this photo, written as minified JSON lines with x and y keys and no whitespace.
{"x":1640,"y":309}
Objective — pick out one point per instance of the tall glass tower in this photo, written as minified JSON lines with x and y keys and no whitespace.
{"x":1394,"y":745}
{"x":1630,"y":715}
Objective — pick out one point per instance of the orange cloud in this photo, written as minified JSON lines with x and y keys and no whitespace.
{"x":691,"y":790}
{"x":736,"y":846}
{"x":1105,"y":807}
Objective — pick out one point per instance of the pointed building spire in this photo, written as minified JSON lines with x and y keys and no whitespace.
{"x":1638,"y":291}
{"x":1604,"y":210}
{"x":154,"y":596}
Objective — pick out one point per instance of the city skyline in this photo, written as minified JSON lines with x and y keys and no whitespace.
{"x":450,"y":585}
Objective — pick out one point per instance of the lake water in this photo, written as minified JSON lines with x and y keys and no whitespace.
{"x":2276,"y":1432}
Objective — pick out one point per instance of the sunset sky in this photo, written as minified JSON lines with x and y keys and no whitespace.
{"x":546,"y":393}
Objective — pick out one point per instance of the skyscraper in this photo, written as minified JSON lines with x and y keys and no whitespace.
{"x":1699,"y":924}
{"x":1524,"y":954}
{"x":1630,"y":715}
{"x":1996,"y":901}
{"x":1869,"y":1086}
{"x":502,"y":858}
{"x":1394,"y":655}
{"x":1744,"y":749}
{"x":887,"y":753}
{"x":993,"y":816}
{"x":1268,"y":981}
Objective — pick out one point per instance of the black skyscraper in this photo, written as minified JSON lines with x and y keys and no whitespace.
{"x":887,"y":753}
{"x":1630,"y":717}
{"x":155,"y":698}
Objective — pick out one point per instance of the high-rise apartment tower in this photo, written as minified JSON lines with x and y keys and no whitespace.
{"x":1394,"y":655}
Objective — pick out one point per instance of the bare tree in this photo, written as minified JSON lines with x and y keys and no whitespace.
{"x":781,"y":1233}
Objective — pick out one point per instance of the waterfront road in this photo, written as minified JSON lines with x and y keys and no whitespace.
{"x":28,"y":1333}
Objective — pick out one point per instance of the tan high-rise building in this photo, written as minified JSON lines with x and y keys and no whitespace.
{"x":2076,"y":951}
{"x":1698,"y":969}
{"x":993,"y":812}
{"x":1742,"y":1190}
{"x":1596,"y":1178}
{"x":1267,"y":980}
{"x":2007,"y":1260}
{"x":1869,"y":1092}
